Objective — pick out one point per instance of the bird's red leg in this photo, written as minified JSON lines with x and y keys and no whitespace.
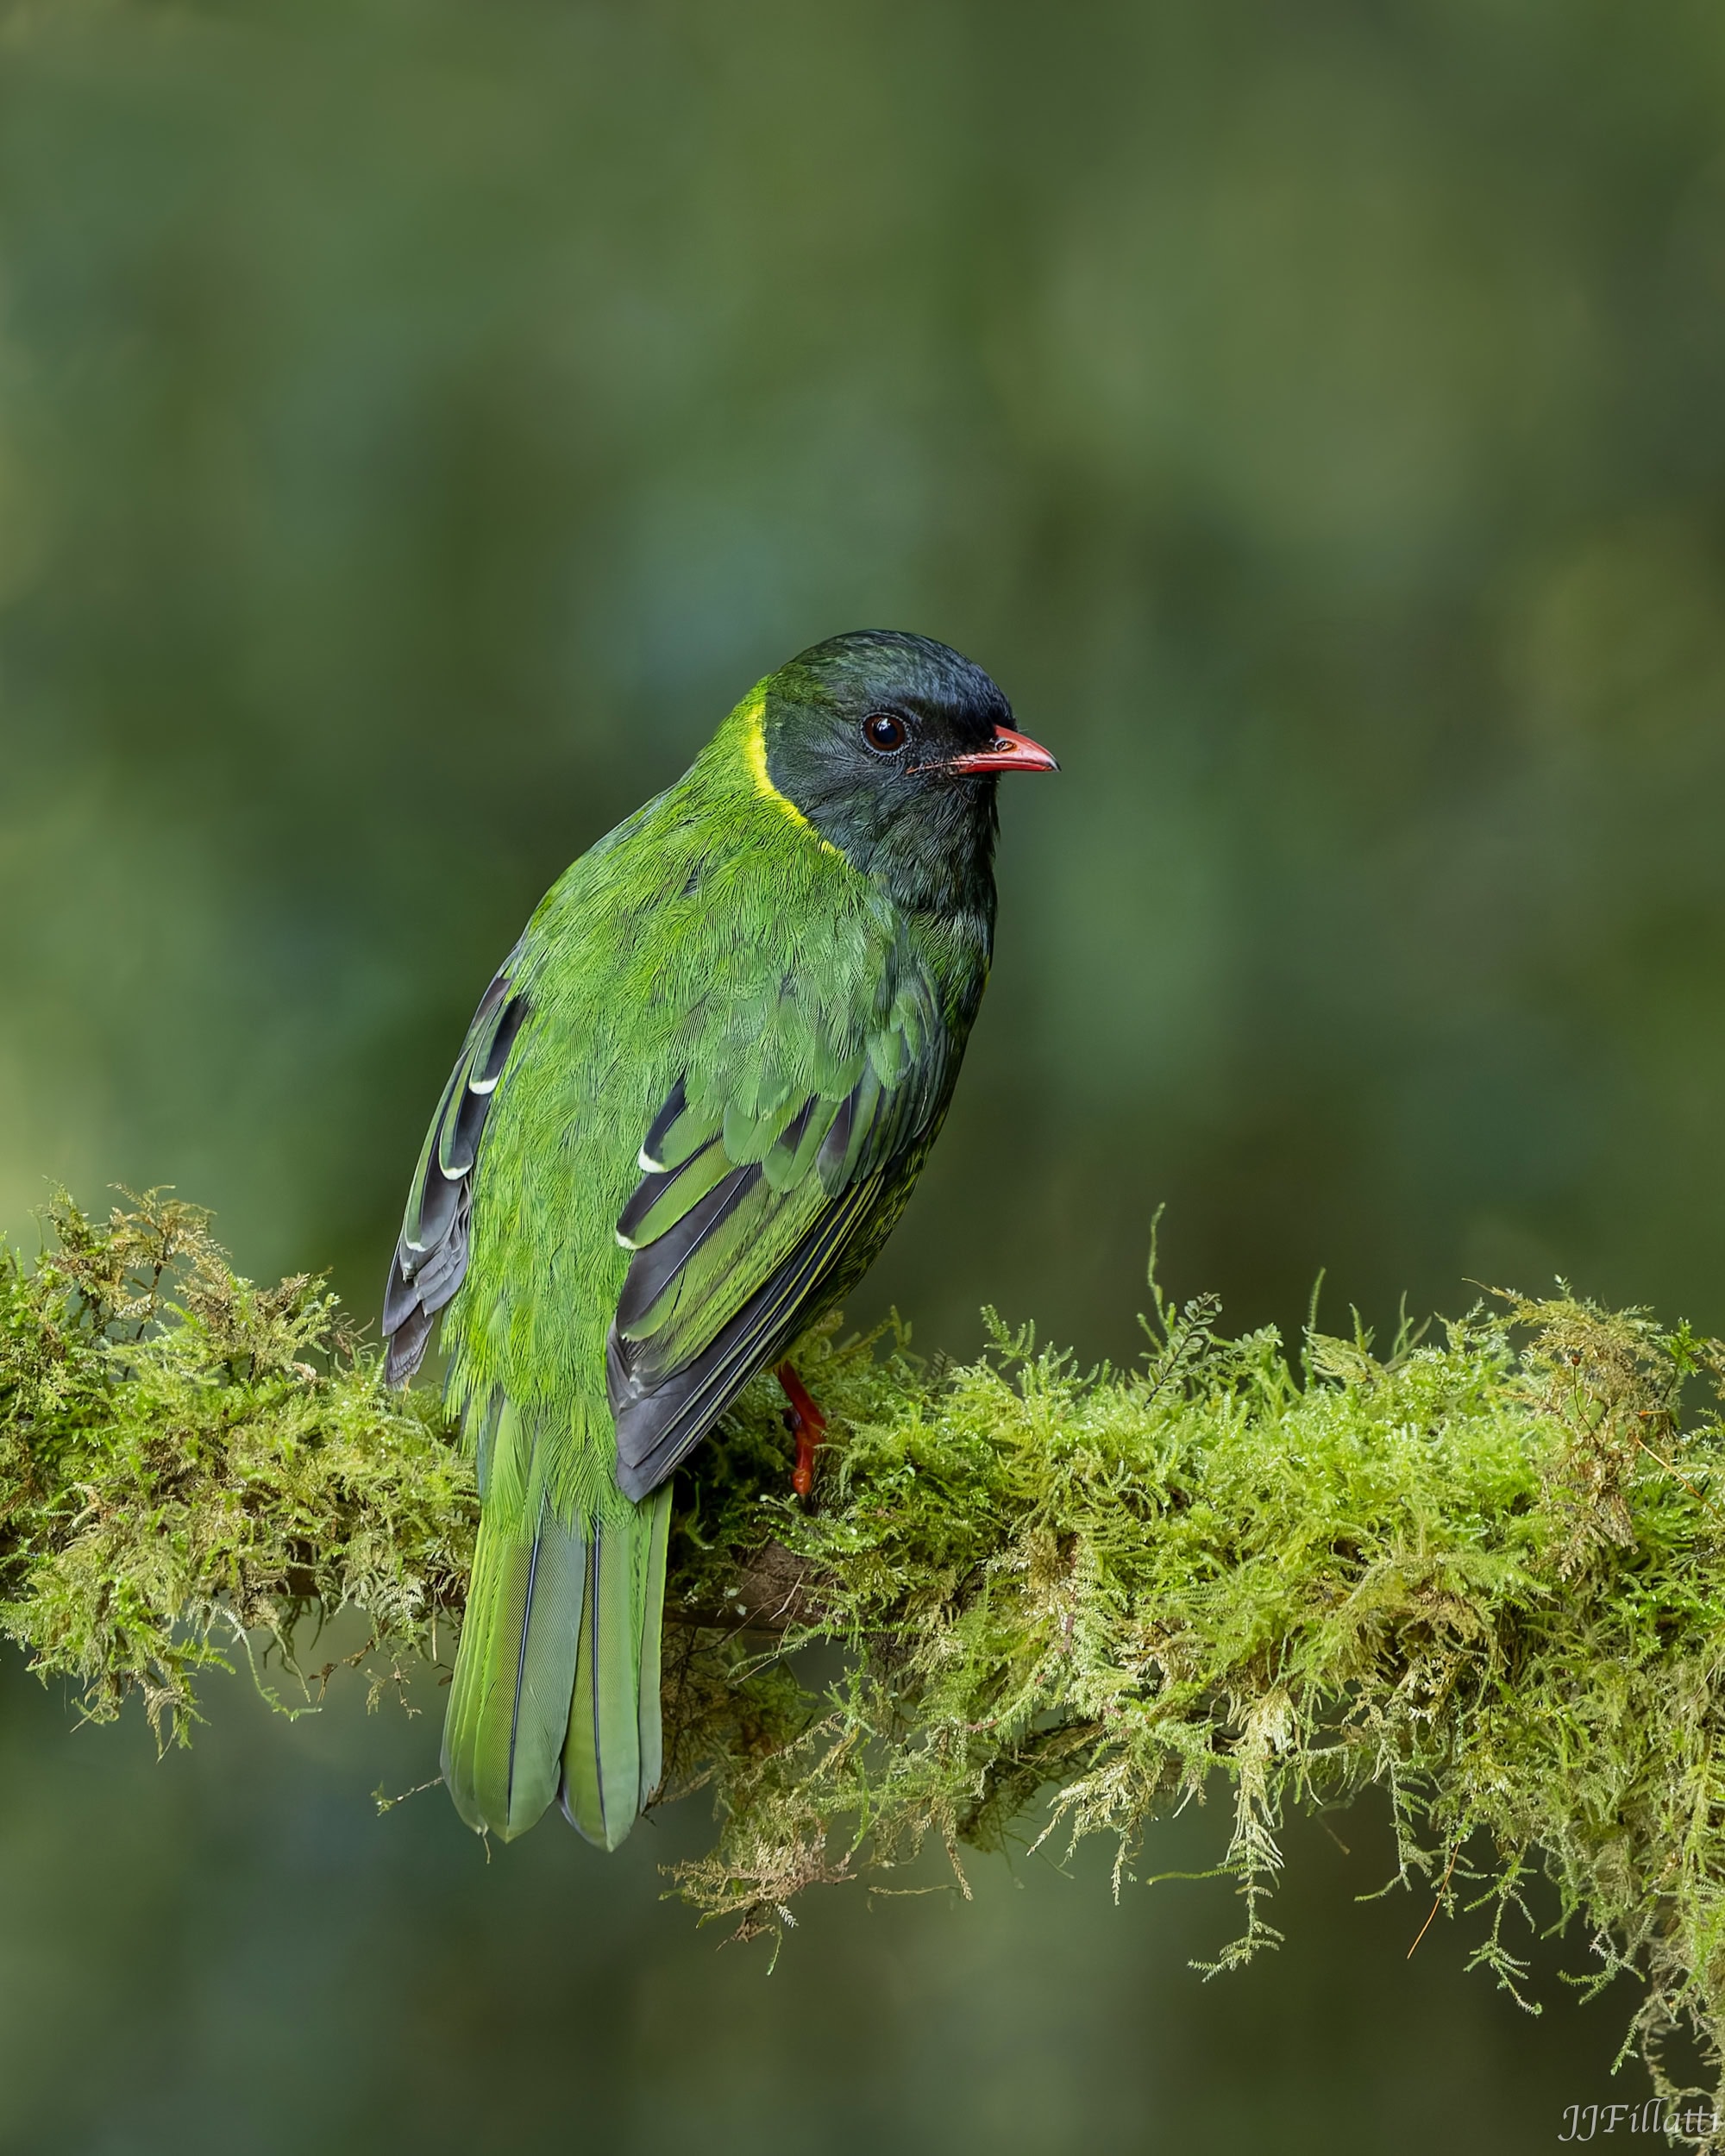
{"x":809,"y":1425}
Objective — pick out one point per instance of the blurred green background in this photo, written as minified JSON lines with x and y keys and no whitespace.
{"x":418,"y":423}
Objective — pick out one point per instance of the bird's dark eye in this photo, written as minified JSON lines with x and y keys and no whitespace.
{"x":883,"y":732}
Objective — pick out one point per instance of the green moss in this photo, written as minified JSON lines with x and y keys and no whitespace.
{"x":190,"y":1466}
{"x":1484,"y":1573}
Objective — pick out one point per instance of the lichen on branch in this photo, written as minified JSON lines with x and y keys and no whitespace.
{"x":1483,"y":1571}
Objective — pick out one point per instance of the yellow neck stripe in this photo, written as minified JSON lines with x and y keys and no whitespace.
{"x":755,"y":752}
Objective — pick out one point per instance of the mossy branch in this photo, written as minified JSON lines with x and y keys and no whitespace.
{"x":1485,"y":1572}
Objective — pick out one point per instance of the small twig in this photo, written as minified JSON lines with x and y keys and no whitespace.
{"x":1443,"y":1888}
{"x":388,"y":1804}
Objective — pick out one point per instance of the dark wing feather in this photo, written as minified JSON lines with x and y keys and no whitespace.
{"x":431,"y":1255}
{"x":743,"y":1226}
{"x":656,"y":1428}
{"x":656,"y":1264}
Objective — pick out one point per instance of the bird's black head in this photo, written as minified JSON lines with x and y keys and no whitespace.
{"x":890,"y":745}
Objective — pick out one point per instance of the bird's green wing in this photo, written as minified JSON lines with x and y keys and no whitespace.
{"x":756,"y":1191}
{"x":431,"y":1255}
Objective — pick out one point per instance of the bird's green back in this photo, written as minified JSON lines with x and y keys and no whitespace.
{"x":714,"y":939}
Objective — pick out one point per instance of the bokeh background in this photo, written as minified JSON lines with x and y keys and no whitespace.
{"x":418,"y":423}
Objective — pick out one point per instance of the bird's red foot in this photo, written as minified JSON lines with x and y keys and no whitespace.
{"x":807,"y":1424}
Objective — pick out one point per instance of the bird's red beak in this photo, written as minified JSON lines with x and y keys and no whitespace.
{"x":1007,"y":752}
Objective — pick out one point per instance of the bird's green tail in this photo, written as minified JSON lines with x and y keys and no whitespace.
{"x":557,"y":1685}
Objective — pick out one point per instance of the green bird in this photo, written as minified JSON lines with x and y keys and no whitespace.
{"x":689,"y":1110}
